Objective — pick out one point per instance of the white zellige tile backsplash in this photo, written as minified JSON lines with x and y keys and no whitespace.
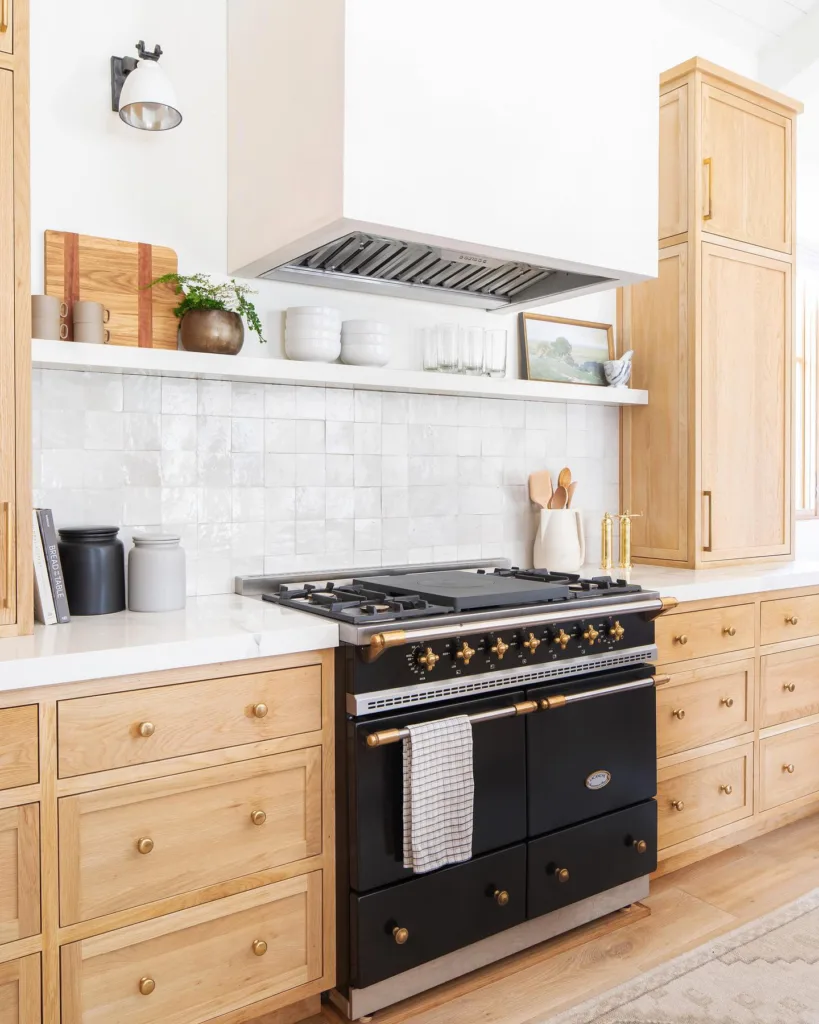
{"x":268,"y":478}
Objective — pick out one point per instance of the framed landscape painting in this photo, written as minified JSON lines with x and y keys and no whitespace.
{"x":566,"y":351}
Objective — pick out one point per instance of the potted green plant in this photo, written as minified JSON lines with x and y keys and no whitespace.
{"x":210,"y":314}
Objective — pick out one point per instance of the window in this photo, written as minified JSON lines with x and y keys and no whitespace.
{"x":806,"y":377}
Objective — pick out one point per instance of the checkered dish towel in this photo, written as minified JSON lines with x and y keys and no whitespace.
{"x":439,"y":791}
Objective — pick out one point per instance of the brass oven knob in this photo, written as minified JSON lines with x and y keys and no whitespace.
{"x":146,"y":986}
{"x":727,"y":702}
{"x":532,"y":643}
{"x":679,"y":713}
{"x":727,"y":789}
{"x":146,"y":729}
{"x":501,"y":897}
{"x":259,"y":710}
{"x":681,"y":639}
{"x":729,"y":631}
{"x":640,"y":845}
{"x":429,"y":659}
{"x":792,"y":620}
{"x":499,"y":648}
{"x":400,"y":935}
{"x":591,"y":635}
{"x":617,"y":631}
{"x":562,"y":874}
{"x":259,"y":947}
{"x":678,"y":805}
{"x":466,"y":653}
{"x":790,"y":687}
{"x":258,"y":817}
{"x":789,"y":768}
{"x":145,"y":845}
{"x":562,"y":639}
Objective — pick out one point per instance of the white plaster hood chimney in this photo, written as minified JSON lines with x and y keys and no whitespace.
{"x":496,"y":153}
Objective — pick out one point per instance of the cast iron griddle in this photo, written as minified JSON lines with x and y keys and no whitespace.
{"x":464,"y":590}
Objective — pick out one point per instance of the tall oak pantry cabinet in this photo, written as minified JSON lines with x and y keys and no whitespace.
{"x":15,"y":330}
{"x":708,"y":461}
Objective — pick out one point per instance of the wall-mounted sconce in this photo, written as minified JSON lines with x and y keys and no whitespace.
{"x":141,"y":93}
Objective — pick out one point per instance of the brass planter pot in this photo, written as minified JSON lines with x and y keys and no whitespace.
{"x":212,"y":330}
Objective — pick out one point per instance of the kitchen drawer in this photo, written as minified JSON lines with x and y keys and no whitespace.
{"x":789,"y":766}
{"x":7,"y":29}
{"x":790,"y":686}
{"x":705,"y":793}
{"x":409,"y":924}
{"x":19,"y":747}
{"x":700,"y":634}
{"x":118,"y":729}
{"x":20,"y":991}
{"x":586,"y":859}
{"x":789,"y":618}
{"x":703,"y":705}
{"x":19,"y":872}
{"x":200,"y":963}
{"x":103,"y":869}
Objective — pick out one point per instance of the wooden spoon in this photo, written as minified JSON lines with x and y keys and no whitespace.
{"x":564,"y":478}
{"x":559,"y":498}
{"x":572,"y":489}
{"x":540,"y":488}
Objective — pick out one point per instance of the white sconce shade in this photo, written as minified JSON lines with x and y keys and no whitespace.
{"x":148,"y":100}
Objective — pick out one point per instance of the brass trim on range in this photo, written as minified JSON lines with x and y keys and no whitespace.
{"x":526,"y":707}
{"x":668,"y":603}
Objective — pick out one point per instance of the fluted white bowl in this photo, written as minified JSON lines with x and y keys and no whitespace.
{"x":306,"y":323}
{"x":364,"y":327}
{"x":312,"y":332}
{"x":356,"y":353}
{"x":326,"y":311}
{"x":312,"y":349}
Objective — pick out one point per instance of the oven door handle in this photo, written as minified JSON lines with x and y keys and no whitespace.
{"x":562,"y":700}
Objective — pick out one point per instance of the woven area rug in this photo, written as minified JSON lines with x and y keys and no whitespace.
{"x":766,"y":972}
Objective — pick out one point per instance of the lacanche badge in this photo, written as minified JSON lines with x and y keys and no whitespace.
{"x":597,"y":780}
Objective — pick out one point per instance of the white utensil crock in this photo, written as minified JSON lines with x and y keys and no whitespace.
{"x":560,"y":545}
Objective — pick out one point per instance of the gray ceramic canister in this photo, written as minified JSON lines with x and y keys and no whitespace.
{"x":156,"y":573}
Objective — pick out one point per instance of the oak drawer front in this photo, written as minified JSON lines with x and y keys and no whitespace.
{"x":19,"y":747}
{"x":704,"y":705}
{"x":119,"y":729}
{"x":19,"y":873}
{"x":703,"y":633}
{"x":789,"y":766}
{"x":790,"y":686}
{"x":705,"y":793}
{"x":789,"y":618}
{"x":200,"y":963}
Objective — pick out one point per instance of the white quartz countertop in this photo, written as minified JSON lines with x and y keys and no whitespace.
{"x":210,"y":630}
{"x":705,"y":584}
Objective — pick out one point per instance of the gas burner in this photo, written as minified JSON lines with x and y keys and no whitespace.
{"x":354,"y":603}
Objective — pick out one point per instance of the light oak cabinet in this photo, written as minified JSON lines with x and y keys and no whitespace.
{"x":20,"y":991}
{"x":19,"y":747}
{"x":7,"y":26}
{"x":708,"y":462}
{"x":19,"y":872}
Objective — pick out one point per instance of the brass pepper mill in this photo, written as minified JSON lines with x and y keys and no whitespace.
{"x":625,"y":538}
{"x":605,"y":555}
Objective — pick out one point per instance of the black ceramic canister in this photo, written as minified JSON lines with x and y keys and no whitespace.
{"x":93,"y":561}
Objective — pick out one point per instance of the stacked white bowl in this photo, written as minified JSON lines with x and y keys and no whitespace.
{"x":312,"y":333}
{"x":365,"y":343}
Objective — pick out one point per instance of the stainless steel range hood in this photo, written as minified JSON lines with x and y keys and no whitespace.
{"x":372,"y":263}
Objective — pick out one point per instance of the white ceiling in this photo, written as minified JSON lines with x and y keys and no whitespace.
{"x":754,"y":24}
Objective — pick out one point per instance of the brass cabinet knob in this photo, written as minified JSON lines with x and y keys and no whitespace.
{"x":617,"y":631}
{"x":562,"y":639}
{"x":400,"y":935}
{"x":591,"y":635}
{"x":679,"y":713}
{"x":258,"y":817}
{"x":562,"y":874}
{"x":429,"y":659}
{"x":501,"y":897}
{"x":145,"y":845}
{"x":729,"y":631}
{"x":259,"y":710}
{"x":499,"y":648}
{"x":466,"y":653}
{"x":259,"y":947}
{"x":146,"y":729}
{"x":640,"y":845}
{"x":532,"y":643}
{"x":790,"y":687}
{"x":678,"y":805}
{"x":681,"y":639}
{"x":727,"y":789}
{"x":727,"y":702}
{"x":146,"y":986}
{"x":792,"y":620}
{"x":789,"y":768}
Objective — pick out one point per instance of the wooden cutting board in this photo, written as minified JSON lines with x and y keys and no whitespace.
{"x":115,"y":273}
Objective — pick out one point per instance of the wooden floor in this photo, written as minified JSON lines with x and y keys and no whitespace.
{"x":688,"y":908}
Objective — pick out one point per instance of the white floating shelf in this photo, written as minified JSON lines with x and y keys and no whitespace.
{"x":64,"y":355}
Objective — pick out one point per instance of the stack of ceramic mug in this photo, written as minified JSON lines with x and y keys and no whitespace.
{"x":50,"y":319}
{"x":89,"y":322}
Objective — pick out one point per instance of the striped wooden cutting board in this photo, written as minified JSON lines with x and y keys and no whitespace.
{"x":115,"y":273}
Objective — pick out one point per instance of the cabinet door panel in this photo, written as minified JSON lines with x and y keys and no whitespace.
{"x":19,"y":872}
{"x":20,"y":991}
{"x":655,"y":436}
{"x":745,"y":429}
{"x":674,"y":162}
{"x":7,"y":27}
{"x":747,"y":184}
{"x":8,"y":585}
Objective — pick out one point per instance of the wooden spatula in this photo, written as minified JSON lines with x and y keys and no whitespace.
{"x":540,"y":488}
{"x":572,"y":489}
{"x":559,"y":498}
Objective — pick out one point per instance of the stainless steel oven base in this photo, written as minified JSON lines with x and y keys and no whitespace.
{"x":364,"y":1001}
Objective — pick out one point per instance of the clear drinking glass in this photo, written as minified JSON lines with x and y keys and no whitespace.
{"x":495,"y":353}
{"x":447,"y":337}
{"x":429,"y":346}
{"x":472,"y":351}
